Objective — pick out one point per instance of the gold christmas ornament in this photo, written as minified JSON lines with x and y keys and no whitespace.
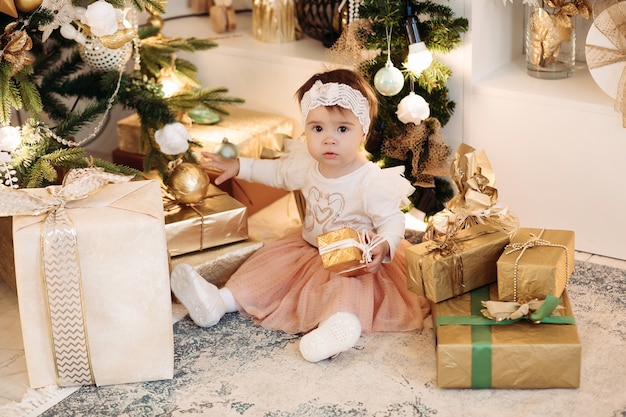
{"x":188,"y":183}
{"x":27,"y":6}
{"x":8,"y":7}
{"x":15,"y":45}
{"x":118,"y":39}
{"x":155,"y":20}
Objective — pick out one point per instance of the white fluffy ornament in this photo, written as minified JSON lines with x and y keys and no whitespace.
{"x":413,"y":109}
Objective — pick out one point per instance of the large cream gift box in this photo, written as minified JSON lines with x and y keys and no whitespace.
{"x":101,"y":312}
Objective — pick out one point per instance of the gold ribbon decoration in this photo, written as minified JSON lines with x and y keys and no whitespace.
{"x":610,"y":20}
{"x":171,"y":204}
{"x":477,"y":199}
{"x":534,"y":241}
{"x":365,"y":243}
{"x":62,"y":274}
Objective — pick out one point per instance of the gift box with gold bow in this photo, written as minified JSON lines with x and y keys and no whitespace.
{"x":477,"y":199}
{"x":92,"y":279}
{"x":448,"y":266}
{"x":537,"y":263}
{"x":217,"y":220}
{"x":539,"y":350}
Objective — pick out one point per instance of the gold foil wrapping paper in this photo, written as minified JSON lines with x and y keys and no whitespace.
{"x":477,"y":199}
{"x":124,"y":280}
{"x":519,"y":355}
{"x":7,"y":265}
{"x":219,"y":220}
{"x":541,"y":269}
{"x":344,"y":261}
{"x":254,"y":133}
{"x":439,"y":276}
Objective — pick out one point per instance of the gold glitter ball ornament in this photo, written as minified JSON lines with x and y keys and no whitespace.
{"x":188,"y":183}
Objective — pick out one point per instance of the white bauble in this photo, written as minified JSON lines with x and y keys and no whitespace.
{"x":413,"y":109}
{"x":389,"y":80}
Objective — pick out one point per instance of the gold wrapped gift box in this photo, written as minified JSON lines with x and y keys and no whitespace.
{"x":544,"y":260}
{"x":219,"y":220}
{"x":438,"y":275}
{"x":254,"y":133}
{"x":122,"y":317}
{"x":517,"y":355}
{"x":347,"y":260}
{"x":7,"y":264}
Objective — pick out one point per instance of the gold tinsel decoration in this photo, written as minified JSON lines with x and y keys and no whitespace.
{"x":417,"y":139}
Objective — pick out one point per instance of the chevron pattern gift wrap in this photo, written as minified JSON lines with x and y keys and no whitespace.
{"x":92,"y":279}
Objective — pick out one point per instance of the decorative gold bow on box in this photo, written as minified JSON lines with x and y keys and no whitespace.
{"x":60,"y":263}
{"x":477,"y":199}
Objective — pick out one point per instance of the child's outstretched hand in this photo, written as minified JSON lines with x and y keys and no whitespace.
{"x":228,"y":167}
{"x":379,"y":253}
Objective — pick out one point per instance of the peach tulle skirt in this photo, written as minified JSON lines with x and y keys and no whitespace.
{"x":284,"y":286}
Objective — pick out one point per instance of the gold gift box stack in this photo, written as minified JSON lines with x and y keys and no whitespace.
{"x":488,"y":258}
{"x":487,"y":264}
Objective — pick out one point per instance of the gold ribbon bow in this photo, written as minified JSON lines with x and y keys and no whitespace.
{"x":610,"y":20}
{"x":534,"y":241}
{"x":62,"y":275}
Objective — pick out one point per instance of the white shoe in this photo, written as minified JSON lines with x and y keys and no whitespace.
{"x":338,"y":333}
{"x":201,"y":298}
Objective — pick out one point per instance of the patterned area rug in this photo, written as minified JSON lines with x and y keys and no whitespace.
{"x":239,"y":369}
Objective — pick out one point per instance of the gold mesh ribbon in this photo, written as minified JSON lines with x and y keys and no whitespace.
{"x":533,"y":242}
{"x":610,"y":20}
{"x":422,"y":139}
{"x":62,"y":275}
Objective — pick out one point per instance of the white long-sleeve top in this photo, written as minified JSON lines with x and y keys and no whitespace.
{"x":368,"y":198}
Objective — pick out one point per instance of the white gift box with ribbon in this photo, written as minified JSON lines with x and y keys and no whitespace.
{"x":93,"y":282}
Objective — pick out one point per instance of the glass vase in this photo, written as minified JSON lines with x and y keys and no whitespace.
{"x":550,"y":44}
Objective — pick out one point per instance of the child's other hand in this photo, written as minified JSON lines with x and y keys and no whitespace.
{"x":215,"y":162}
{"x":379,"y":253}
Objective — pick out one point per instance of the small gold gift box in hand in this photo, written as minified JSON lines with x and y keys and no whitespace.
{"x":346,"y":251}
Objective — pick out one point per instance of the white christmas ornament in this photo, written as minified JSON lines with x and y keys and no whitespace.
{"x":413,"y":109}
{"x":389,"y":80}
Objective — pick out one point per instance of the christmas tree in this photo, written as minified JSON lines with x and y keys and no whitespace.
{"x":66,"y":65}
{"x":414,"y":102}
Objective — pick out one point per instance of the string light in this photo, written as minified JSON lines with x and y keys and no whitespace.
{"x":419,"y":57}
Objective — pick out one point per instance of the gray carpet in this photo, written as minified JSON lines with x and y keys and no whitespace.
{"x":239,"y":369}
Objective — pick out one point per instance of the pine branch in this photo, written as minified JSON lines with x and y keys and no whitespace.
{"x":31,"y":99}
{"x":211,"y":98}
{"x":152,"y":6}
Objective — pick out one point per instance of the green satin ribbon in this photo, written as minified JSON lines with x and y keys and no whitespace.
{"x":481,"y":330}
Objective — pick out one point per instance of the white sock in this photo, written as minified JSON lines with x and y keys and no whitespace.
{"x":232,"y":305}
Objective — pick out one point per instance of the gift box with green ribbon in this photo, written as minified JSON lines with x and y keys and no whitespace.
{"x":538,"y":349}
{"x":454,"y":264}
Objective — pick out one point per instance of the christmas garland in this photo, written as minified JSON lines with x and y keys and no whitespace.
{"x":64,"y":63}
